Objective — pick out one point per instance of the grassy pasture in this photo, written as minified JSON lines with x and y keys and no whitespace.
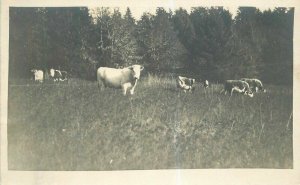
{"x":74,"y":126}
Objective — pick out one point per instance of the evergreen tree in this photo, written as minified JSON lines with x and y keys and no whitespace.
{"x":123,"y":43}
{"x":277,"y":55}
{"x":28,"y":41}
{"x":159,"y":41}
{"x":143,"y":30}
{"x":101,"y":41}
{"x":186,"y":34}
{"x":250,"y":40}
{"x":212,"y":46}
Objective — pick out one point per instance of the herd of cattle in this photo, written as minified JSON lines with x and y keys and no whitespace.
{"x":127,"y":78}
{"x":54,"y":74}
{"x":246,"y":86}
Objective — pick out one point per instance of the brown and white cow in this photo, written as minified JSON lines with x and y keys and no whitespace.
{"x":125,"y":78}
{"x":237,"y":86}
{"x":185,"y":83}
{"x":58,"y":75}
{"x":255,"y":84}
{"x":205,"y":83}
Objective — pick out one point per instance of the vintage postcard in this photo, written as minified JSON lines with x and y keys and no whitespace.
{"x":150,"y":92}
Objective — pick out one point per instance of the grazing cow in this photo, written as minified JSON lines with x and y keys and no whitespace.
{"x":255,"y":84}
{"x":205,"y":83}
{"x":125,"y":78}
{"x":58,"y":75}
{"x":238,"y":86}
{"x":38,"y":75}
{"x":185,"y":83}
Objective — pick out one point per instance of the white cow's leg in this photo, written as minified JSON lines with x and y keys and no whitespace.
{"x":101,"y":85}
{"x":132,"y":89}
{"x":125,"y":87}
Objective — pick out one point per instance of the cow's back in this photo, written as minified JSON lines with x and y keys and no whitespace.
{"x":229,"y":84}
{"x":252,"y":82}
{"x":246,"y":85}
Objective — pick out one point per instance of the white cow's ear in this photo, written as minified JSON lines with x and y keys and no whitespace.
{"x":130,"y":67}
{"x":142,"y":67}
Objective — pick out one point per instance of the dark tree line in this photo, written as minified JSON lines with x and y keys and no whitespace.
{"x":207,"y":42}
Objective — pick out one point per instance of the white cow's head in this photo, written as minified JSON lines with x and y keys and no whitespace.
{"x":33,"y":70}
{"x":248,"y":92}
{"x":136,"y":70}
{"x":261,"y":89}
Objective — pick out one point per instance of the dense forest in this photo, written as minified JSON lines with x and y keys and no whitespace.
{"x":206,"y":42}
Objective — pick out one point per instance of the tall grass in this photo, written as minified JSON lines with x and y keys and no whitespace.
{"x":75,"y":126}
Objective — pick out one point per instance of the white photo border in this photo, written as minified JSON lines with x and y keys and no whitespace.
{"x":153,"y":177}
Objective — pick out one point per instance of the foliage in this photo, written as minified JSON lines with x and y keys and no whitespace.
{"x":207,"y":42}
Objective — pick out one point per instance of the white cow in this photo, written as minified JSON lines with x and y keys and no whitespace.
{"x":38,"y":75}
{"x":125,"y":78}
{"x":58,"y":75}
{"x":255,"y":84}
{"x":238,"y":86}
{"x":185,"y":83}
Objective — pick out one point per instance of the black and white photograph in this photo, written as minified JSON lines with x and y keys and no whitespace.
{"x":137,"y":88}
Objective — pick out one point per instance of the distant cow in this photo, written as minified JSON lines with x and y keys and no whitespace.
{"x":125,"y":78}
{"x":255,"y":84}
{"x":185,"y":83}
{"x":205,"y":83}
{"x":238,"y":86}
{"x":58,"y":75}
{"x":38,"y":75}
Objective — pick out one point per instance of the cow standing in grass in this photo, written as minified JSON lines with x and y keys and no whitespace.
{"x":205,"y":83}
{"x":237,"y":86}
{"x":184,"y":83}
{"x":125,"y":78}
{"x":255,"y":84}
{"x":38,"y":75}
{"x":58,"y":75}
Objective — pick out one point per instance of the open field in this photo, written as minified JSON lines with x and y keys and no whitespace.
{"x":75,"y":127}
